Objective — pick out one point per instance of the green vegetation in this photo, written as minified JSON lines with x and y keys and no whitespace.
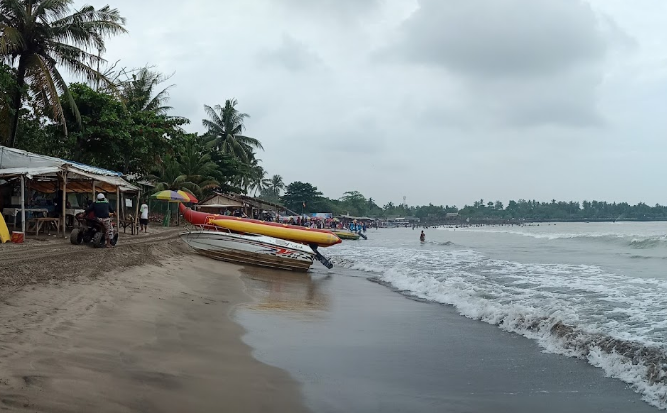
{"x":39,"y":37}
{"x":119,"y":119}
{"x":564,"y":211}
{"x":356,"y":204}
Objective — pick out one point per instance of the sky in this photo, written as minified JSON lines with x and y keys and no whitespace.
{"x":438,"y":101}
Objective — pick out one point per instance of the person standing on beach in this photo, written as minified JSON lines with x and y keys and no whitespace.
{"x":143,"y":220}
{"x":422,"y":237}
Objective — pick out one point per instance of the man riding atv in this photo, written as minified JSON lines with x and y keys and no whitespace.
{"x":102,"y":210}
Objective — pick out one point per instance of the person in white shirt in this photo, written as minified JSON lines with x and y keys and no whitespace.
{"x":143,"y":221}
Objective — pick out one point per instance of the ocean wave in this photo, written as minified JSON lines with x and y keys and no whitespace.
{"x":444,"y":244}
{"x":653,"y":242}
{"x":613,"y":322}
{"x":631,"y":240}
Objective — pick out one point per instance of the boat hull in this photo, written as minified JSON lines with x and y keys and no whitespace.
{"x":309,"y":236}
{"x":250,"y":249}
{"x":347,"y":235}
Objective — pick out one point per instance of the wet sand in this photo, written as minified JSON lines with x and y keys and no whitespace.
{"x":357,"y":346}
{"x":155,"y":337}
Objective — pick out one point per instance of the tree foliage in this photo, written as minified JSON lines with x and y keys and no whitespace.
{"x":225,"y":128}
{"x":301,"y":196}
{"x":7,"y":87}
{"x":141,"y":92}
{"x":42,"y":36}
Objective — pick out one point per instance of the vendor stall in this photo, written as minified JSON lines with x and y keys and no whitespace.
{"x":62,"y":178}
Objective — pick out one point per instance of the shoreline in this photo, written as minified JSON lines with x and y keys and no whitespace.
{"x":356,"y":345}
{"x":156,"y":334}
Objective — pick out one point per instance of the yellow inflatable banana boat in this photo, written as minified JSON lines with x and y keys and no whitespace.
{"x":287,"y":232}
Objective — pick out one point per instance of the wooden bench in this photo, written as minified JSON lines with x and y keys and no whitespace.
{"x":129,"y":222}
{"x":46,"y":223}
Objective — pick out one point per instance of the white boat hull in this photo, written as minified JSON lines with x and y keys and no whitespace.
{"x":251,"y":249}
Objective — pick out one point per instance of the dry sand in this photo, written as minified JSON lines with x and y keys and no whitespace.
{"x":155,"y":335}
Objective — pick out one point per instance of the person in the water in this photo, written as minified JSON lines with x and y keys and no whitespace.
{"x":422,"y":237}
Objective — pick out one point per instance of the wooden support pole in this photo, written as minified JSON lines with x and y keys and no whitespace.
{"x":136,"y":214}
{"x":64,"y":205}
{"x":117,"y":208}
{"x":122,"y":204}
{"x":22,"y":206}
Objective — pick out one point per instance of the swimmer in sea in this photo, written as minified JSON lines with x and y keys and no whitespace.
{"x":422,"y":237}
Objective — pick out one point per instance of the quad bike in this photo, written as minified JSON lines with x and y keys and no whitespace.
{"x":91,"y":231}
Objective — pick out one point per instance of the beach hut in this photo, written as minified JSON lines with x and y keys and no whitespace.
{"x":219,"y":203}
{"x":252,"y":207}
{"x":52,"y":175}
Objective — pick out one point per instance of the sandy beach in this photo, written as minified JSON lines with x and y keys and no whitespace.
{"x":151,"y":327}
{"x":142,"y":328}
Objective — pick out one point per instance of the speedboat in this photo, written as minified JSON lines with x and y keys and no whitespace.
{"x":250,"y":249}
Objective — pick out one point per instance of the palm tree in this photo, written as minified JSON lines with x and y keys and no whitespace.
{"x":140,"y":92}
{"x":259,"y":180}
{"x":249,"y":172}
{"x":169,"y":176}
{"x":197,"y":168}
{"x":276,"y":185}
{"x":38,"y":36}
{"x":225,"y":130}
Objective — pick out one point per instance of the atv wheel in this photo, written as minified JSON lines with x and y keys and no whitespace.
{"x":76,"y":237}
{"x":114,"y":240}
{"x":98,"y":240}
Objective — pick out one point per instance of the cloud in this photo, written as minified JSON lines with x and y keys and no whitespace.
{"x":503,"y":38}
{"x":292,"y":55}
{"x":523,"y":63}
{"x":328,"y":7}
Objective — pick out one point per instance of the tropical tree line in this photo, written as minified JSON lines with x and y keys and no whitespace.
{"x":114,"y":118}
{"x":300,"y":196}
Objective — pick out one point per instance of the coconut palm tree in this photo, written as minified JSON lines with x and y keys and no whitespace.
{"x":248,"y":174}
{"x":225,"y":131}
{"x":169,"y":176}
{"x":140,"y":92}
{"x":196,"y":168}
{"x":259,"y":180}
{"x":276,"y":185}
{"x":40,"y":36}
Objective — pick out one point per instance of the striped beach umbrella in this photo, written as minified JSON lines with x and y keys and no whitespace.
{"x":175,"y":196}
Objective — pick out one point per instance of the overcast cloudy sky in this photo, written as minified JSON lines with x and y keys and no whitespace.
{"x":442,"y":101}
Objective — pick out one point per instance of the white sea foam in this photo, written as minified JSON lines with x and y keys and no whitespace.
{"x":614,"y":322}
{"x":629,"y":239}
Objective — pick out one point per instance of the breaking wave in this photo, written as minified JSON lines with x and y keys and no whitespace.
{"x":614,"y":322}
{"x":630,"y":240}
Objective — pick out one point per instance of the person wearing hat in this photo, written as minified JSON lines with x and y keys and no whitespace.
{"x":103,"y":210}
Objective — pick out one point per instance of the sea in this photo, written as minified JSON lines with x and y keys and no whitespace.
{"x":594,"y":291}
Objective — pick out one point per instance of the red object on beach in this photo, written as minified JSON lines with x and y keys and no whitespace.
{"x":17,"y":237}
